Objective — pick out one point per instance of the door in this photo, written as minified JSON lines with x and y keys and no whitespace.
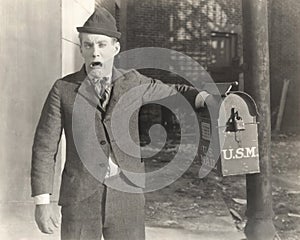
{"x":224,"y":65}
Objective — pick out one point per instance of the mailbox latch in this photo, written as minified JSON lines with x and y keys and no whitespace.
{"x":235,"y":122}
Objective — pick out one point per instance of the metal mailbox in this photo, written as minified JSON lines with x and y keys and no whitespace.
{"x":229,"y":141}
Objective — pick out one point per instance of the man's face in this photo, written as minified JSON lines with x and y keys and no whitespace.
{"x":98,"y":52}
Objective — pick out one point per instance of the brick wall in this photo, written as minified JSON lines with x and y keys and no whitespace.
{"x":285,"y":59}
{"x":184,"y":26}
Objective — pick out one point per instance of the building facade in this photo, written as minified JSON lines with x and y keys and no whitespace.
{"x":210,"y":31}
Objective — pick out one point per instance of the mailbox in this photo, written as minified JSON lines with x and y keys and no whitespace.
{"x":229,"y":139}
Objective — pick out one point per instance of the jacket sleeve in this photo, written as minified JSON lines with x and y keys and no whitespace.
{"x":45,"y":145}
{"x":156,"y":90}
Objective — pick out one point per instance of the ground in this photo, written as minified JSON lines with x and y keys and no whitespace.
{"x":184,"y":202}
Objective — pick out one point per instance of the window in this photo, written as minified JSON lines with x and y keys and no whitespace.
{"x":224,"y":49}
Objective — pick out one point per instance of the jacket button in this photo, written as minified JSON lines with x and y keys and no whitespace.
{"x":102,"y":165}
{"x":103,"y":142}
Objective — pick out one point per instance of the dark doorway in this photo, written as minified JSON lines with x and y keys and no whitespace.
{"x":224,"y":65}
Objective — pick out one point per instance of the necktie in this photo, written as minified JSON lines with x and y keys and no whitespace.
{"x":103,"y":89}
{"x":105,"y":97}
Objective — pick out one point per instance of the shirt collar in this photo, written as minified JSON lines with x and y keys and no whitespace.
{"x":109,"y":78}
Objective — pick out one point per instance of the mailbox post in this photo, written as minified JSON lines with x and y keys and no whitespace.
{"x":256,"y":57}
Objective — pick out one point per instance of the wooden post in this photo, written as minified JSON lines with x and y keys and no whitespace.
{"x":282,"y":104}
{"x":257,"y":83}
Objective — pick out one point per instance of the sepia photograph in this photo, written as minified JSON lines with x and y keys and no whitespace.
{"x":150,"y":120}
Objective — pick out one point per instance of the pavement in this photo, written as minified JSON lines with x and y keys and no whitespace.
{"x":28,"y":231}
{"x":179,"y":234}
{"x":17,"y":223}
{"x":287,"y":181}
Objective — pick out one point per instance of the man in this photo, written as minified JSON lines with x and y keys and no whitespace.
{"x":90,"y":206}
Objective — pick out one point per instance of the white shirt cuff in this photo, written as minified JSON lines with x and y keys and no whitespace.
{"x":42,"y":199}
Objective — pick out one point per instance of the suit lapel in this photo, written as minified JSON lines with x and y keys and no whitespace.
{"x":117,"y":91}
{"x":86,"y":90}
{"x":81,"y":75}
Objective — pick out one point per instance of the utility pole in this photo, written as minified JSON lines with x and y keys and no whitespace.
{"x":257,"y":83}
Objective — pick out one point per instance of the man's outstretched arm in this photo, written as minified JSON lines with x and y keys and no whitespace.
{"x":157,"y":90}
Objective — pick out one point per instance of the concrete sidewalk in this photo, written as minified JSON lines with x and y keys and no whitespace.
{"x":28,"y":231}
{"x":210,"y":227}
{"x":17,"y":223}
{"x":179,"y":234}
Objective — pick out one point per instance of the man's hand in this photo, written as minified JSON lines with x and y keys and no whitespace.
{"x":45,"y":218}
{"x":200,"y":99}
{"x":206,"y":100}
{"x":213,"y":102}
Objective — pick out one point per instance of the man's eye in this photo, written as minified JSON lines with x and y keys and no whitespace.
{"x":87,"y":46}
{"x":102,"y":45}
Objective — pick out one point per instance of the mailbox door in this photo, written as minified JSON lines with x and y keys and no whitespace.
{"x":238,"y":136}
{"x":239,"y":153}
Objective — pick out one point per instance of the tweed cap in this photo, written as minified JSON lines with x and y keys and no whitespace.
{"x":101,"y":22}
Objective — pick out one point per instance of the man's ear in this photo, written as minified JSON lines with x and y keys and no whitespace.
{"x":117,"y":47}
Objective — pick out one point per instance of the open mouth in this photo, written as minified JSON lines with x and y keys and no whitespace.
{"x":96,"y":64}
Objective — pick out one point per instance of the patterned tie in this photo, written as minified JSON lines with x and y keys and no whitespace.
{"x":105,"y":97}
{"x":103,"y":89}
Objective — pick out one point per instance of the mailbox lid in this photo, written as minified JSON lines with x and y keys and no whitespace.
{"x":240,"y":102}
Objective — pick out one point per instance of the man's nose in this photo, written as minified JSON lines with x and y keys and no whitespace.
{"x":96,"y":52}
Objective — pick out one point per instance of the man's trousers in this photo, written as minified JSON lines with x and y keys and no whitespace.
{"x":117,"y":215}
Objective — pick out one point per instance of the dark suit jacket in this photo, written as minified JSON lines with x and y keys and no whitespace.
{"x":82,"y":177}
